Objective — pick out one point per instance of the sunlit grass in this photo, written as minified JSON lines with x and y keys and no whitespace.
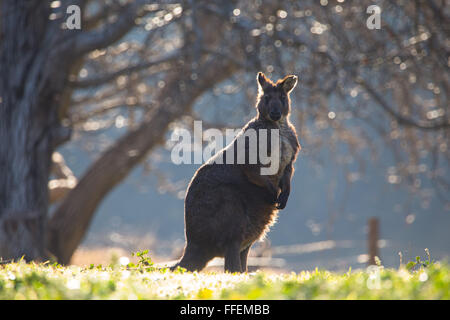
{"x":44,"y":281}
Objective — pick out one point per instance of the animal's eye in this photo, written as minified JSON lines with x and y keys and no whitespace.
{"x":266,"y":98}
{"x":283,"y":98}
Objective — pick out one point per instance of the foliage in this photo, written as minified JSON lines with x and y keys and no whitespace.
{"x":144,"y":260}
{"x":52,"y":281}
{"x":418,"y":263}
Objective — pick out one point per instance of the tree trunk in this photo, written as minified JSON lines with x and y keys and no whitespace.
{"x":29,"y":127}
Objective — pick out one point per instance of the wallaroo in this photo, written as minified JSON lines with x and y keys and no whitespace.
{"x":230,"y":206}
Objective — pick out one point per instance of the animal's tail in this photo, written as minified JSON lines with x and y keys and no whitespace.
{"x":193,"y":259}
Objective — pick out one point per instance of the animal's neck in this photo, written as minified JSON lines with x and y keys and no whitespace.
{"x":283,"y":122}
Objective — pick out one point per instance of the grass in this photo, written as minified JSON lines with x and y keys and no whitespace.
{"x":419,"y":280}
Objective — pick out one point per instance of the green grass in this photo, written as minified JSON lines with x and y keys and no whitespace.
{"x":141,"y":281}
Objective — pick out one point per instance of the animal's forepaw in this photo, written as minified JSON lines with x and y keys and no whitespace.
{"x":282,"y":200}
{"x":273,"y":196}
{"x":273,"y":199}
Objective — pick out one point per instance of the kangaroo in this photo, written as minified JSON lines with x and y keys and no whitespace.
{"x":230,"y":206}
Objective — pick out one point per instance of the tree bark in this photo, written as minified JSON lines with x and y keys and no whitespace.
{"x":28,"y":128}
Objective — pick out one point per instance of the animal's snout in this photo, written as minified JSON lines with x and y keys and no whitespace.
{"x":275,"y":115}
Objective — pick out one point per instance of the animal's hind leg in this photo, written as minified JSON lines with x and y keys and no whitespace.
{"x":244,"y":256}
{"x":233,"y":258}
{"x":194,"y":259}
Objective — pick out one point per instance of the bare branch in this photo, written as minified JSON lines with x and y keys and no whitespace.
{"x":85,"y":42}
{"x":408,"y":122}
{"x":80,"y":118}
{"x":105,"y":78}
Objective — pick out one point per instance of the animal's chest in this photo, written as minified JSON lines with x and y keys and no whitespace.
{"x":286,"y":151}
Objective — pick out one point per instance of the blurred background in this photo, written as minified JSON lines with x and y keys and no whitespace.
{"x":371,"y":111}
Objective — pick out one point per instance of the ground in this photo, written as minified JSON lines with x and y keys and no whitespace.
{"x":139,"y":280}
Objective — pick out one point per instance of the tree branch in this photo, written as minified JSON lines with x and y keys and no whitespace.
{"x":408,"y":122}
{"x":85,"y":42}
{"x":80,"y":118}
{"x":105,"y":78}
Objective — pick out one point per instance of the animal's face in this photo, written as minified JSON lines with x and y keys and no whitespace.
{"x":273,"y":99}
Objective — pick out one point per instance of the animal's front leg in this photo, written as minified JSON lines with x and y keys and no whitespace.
{"x":285,"y":186}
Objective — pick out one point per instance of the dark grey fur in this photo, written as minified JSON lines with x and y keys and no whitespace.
{"x":230,"y":206}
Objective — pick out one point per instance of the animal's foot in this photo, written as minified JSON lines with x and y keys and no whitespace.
{"x":282,"y":200}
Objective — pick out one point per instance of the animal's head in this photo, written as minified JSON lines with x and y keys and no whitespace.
{"x":273,"y":98}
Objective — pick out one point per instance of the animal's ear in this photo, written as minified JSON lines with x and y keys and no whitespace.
{"x":262,"y":81}
{"x":289,"y":83}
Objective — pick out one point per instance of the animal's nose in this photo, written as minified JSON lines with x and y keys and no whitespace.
{"x":275,"y":115}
